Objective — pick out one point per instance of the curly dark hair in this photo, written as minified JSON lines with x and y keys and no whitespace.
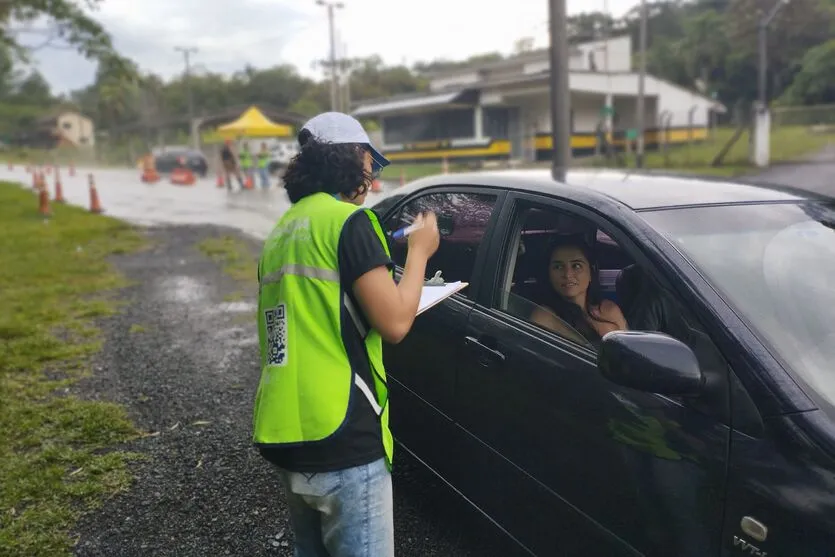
{"x":334,"y":168}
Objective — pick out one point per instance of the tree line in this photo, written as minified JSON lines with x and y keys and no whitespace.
{"x":706,"y":44}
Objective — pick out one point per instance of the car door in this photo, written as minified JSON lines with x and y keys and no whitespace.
{"x":570,"y":463}
{"x":421,"y":368}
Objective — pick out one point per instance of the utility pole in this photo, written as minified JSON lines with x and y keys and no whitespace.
{"x":330,"y":5}
{"x":609,"y":101}
{"x":347,"y":68}
{"x":642,"y":69}
{"x":187,"y":51}
{"x":762,"y":30}
{"x":560,"y":92}
{"x":762,"y":117}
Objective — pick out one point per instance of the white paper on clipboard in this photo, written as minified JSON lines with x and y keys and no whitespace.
{"x":433,"y":295}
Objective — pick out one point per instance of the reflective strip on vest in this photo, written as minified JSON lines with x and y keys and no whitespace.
{"x":366,"y":390}
{"x":355,"y":316}
{"x":301,"y":271}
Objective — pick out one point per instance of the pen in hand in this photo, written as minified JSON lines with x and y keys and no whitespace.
{"x":406,"y":230}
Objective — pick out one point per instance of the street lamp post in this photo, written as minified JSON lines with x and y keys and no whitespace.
{"x":560,"y":92}
{"x":330,"y":5}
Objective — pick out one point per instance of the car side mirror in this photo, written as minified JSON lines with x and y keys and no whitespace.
{"x":650,"y":362}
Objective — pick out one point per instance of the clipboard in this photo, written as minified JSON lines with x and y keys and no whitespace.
{"x":431,"y":296}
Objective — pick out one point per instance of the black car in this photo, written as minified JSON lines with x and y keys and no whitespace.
{"x":195,"y":160}
{"x":707,"y":429}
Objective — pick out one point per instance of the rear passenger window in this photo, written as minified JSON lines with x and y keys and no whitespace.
{"x":462,"y":222}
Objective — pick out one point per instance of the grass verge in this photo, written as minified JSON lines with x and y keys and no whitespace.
{"x":56,"y":457}
{"x":234,"y":255}
{"x":788,"y":144}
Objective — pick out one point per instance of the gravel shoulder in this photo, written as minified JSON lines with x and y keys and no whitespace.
{"x":182,"y":357}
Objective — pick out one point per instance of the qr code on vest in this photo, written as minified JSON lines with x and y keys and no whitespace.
{"x":276,"y":320}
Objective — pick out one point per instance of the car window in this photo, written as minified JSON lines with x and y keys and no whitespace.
{"x":532,"y":288}
{"x":774,"y":265}
{"x":527,"y":290}
{"x":462,"y":220}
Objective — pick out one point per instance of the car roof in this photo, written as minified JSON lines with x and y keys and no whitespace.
{"x":637,"y":190}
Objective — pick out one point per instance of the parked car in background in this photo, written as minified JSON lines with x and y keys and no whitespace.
{"x":706,"y":430}
{"x":166,"y":160}
{"x":282,"y":152}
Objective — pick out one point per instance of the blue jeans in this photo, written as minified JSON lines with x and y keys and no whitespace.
{"x":264,"y":173}
{"x":346,"y":513}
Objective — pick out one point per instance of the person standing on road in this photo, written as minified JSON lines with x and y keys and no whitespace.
{"x":246,"y":161}
{"x":327,"y":300}
{"x":230,"y":165}
{"x":264,"y":165}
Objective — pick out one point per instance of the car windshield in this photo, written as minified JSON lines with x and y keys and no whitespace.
{"x":775,"y":265}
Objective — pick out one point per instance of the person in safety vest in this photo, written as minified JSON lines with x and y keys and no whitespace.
{"x":327,"y":300}
{"x":245,"y":158}
{"x":264,"y":165}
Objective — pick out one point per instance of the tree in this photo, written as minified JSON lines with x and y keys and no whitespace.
{"x":34,"y":89}
{"x":66,"y":23}
{"x":815,"y":82}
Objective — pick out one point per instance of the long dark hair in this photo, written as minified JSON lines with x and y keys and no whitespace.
{"x":334,"y":168}
{"x":565,"y":309}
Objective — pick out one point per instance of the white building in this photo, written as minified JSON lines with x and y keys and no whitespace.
{"x":501,"y":109}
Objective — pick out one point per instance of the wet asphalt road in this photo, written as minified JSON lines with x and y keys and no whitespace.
{"x":183,"y":359}
{"x":816,"y":175}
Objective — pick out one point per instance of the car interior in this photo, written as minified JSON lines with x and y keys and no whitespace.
{"x":643,"y":302}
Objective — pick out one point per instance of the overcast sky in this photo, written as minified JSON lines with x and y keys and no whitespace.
{"x":232,"y":33}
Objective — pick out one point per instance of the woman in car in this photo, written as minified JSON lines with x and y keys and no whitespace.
{"x":570,"y":291}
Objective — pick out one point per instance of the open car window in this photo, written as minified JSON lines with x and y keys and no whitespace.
{"x":523,"y":308}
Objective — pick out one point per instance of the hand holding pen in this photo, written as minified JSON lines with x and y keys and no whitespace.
{"x":422,"y":234}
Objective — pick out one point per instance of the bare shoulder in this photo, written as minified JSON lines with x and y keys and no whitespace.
{"x":610,"y":311}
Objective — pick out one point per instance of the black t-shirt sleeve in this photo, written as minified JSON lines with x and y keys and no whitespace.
{"x":360,"y":250}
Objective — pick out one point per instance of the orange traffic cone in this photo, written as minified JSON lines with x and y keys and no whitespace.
{"x":221,"y":181}
{"x":95,"y":206}
{"x":375,"y":186}
{"x":248,"y":183}
{"x":59,"y":190}
{"x":43,"y":203}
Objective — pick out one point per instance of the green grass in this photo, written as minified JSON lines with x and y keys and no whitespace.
{"x":787,"y":144}
{"x":233,"y":254}
{"x":56,"y":457}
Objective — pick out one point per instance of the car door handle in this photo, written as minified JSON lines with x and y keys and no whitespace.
{"x":494,"y":354}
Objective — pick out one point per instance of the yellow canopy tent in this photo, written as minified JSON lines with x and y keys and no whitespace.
{"x":253,"y":123}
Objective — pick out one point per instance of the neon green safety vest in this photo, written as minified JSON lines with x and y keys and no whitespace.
{"x":246,"y":159}
{"x":307,"y":382}
{"x":263,"y":160}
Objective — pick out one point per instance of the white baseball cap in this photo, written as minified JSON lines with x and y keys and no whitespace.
{"x":336,"y":127}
